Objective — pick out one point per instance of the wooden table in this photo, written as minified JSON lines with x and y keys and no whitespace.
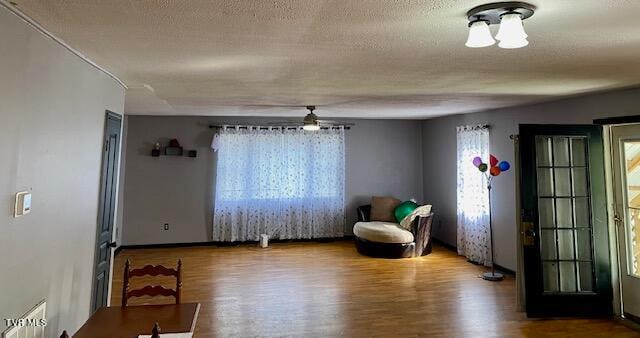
{"x":131,"y":321}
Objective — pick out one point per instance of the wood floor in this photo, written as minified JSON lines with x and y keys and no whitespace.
{"x":327,"y":289}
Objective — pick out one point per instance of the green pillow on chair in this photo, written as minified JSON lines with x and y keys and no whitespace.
{"x":404,"y":209}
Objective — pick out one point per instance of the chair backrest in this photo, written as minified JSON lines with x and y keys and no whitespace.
{"x":422,"y":228}
{"x":155,"y":332}
{"x":157,"y":290}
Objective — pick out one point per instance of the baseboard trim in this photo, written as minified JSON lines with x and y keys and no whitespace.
{"x":633,"y":318}
{"x":629,"y":321}
{"x":223,"y":244}
{"x":505,"y":270}
{"x":455,"y":249}
{"x":446,"y":245}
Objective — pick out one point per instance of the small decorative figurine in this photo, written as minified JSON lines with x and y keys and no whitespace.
{"x":155,"y":152}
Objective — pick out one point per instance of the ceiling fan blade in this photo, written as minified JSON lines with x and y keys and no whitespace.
{"x":280,"y":123}
{"x":335,"y":122}
{"x":271,"y":106}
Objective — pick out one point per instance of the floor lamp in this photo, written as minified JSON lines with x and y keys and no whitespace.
{"x":495,"y":170}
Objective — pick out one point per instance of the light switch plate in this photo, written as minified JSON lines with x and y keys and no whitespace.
{"x":23,"y":204}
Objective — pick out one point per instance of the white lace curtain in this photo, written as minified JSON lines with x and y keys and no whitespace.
{"x":286,"y":183}
{"x":472,"y":196}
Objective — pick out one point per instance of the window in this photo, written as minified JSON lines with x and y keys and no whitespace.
{"x":472,"y":197}
{"x":286,"y":183}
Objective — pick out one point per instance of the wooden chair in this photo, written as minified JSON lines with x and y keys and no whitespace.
{"x":155,"y":332}
{"x":153,"y":291}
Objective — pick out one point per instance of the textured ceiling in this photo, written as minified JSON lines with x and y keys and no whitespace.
{"x":353,"y":58}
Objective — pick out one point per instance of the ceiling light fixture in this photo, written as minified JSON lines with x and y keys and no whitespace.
{"x":479,"y":34}
{"x":511,"y":33}
{"x":509,"y":15}
{"x":311,"y":120}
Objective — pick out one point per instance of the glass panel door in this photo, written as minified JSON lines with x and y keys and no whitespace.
{"x":564,"y":214}
{"x":631,"y":149}
{"x":564,"y":229}
{"x":625,"y":141}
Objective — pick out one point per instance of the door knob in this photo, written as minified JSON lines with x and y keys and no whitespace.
{"x":112,"y":244}
{"x":617,"y":220}
{"x":528,"y":234}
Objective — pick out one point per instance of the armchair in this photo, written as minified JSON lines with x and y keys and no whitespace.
{"x":389,"y":240}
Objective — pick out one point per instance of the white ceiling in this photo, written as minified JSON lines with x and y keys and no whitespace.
{"x":353,"y":58}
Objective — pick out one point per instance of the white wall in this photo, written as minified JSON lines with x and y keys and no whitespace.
{"x":383,"y":157}
{"x":52,"y":111}
{"x":439,"y":145}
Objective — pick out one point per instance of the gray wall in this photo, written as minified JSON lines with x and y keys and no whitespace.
{"x":439,"y":145}
{"x":52,"y":110}
{"x":383,"y":157}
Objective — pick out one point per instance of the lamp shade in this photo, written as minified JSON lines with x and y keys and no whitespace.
{"x":511,"y":33}
{"x":479,"y":35}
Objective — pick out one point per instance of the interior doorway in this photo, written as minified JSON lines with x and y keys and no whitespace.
{"x":106,"y":210}
{"x":625,"y":151}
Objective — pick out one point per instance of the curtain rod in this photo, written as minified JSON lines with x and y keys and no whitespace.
{"x":243,"y":126}
{"x":477,"y":127}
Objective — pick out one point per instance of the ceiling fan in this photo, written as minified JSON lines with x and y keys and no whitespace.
{"x":312,"y":122}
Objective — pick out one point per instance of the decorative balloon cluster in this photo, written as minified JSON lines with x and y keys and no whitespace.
{"x":495,"y":169}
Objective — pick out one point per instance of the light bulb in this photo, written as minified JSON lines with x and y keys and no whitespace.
{"x":311,"y":127}
{"x":479,"y":35}
{"x":511,"y":33}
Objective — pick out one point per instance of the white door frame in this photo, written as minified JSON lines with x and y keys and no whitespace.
{"x":614,"y":230}
{"x":611,"y":211}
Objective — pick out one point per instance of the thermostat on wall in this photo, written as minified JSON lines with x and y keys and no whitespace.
{"x":23,"y":204}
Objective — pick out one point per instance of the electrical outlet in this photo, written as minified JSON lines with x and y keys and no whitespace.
{"x":166,"y":226}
